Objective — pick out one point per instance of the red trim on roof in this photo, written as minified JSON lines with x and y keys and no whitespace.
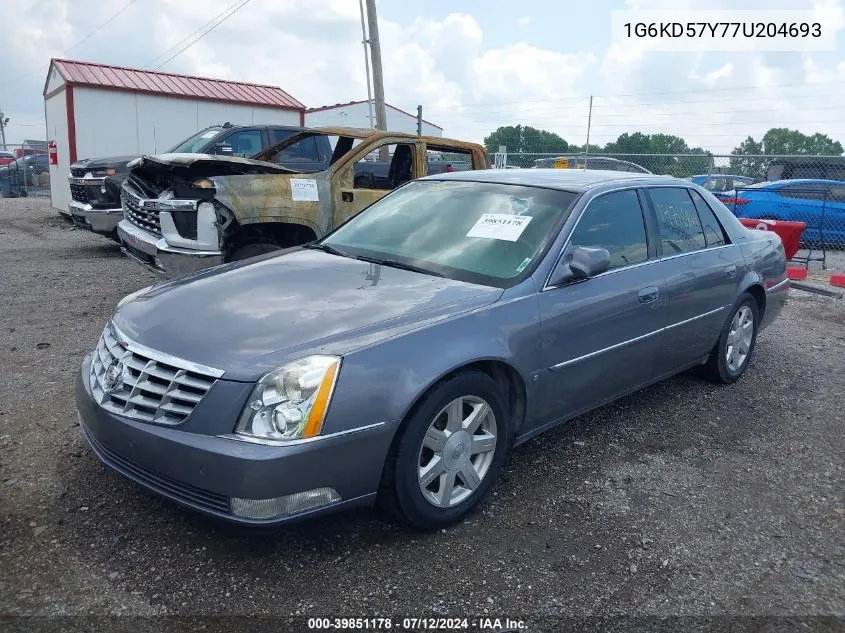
{"x":71,"y":125}
{"x":351,"y":103}
{"x":76,"y":73}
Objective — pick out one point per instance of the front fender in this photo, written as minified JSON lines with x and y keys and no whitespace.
{"x":385,"y":380}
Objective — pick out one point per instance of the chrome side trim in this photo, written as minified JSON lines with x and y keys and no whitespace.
{"x":308,"y":440}
{"x":169,"y":359}
{"x":86,"y":181}
{"x":574,"y":361}
{"x":695,"y":318}
{"x":778,"y":286}
{"x":703,"y":250}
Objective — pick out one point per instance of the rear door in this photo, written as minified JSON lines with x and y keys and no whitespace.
{"x":599,"y":335}
{"x":702,"y":270}
{"x":806,"y":202}
{"x":369,"y":175}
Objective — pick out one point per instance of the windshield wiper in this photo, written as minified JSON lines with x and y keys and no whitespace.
{"x":325,"y":248}
{"x":395,"y":264}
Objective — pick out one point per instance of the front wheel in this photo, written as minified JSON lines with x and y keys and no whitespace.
{"x":732,"y":353}
{"x":449,"y":453}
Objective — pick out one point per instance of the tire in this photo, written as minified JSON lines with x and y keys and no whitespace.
{"x":722,"y":366}
{"x":252,"y":250}
{"x":405,"y":495}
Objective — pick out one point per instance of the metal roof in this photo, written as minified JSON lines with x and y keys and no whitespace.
{"x":76,"y":73}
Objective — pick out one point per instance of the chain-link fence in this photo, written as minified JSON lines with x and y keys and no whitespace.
{"x":809,"y":189}
{"x":24,"y":171}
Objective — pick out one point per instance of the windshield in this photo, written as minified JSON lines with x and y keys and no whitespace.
{"x":485,"y":233}
{"x":195,"y":143}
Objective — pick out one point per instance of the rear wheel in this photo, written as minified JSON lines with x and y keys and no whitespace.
{"x":732,"y":353}
{"x":449,"y":453}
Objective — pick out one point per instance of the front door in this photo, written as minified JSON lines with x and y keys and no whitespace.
{"x":702,"y":271}
{"x":372,"y":176}
{"x":599,"y":335}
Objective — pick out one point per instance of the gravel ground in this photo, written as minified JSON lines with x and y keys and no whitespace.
{"x":686,"y":499}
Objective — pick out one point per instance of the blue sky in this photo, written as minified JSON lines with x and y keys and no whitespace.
{"x":473,"y":65}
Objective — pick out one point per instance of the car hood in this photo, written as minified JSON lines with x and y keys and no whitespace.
{"x":250,"y":318}
{"x":117,"y":162}
{"x":223,"y":164}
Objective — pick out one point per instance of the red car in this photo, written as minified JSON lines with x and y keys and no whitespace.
{"x":6,"y":157}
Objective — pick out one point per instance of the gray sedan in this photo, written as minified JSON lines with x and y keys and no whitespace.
{"x":400,"y":358}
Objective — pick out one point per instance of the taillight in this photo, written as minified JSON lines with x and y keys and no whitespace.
{"x":739,"y":201}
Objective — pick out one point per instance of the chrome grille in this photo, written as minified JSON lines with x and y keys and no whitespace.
{"x":154,"y":387}
{"x":79,"y":193}
{"x":78,"y":173}
{"x":147,"y":219}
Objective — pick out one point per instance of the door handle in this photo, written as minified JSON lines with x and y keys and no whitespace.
{"x":648,"y":295}
{"x":730,"y":271}
{"x":346,"y":196}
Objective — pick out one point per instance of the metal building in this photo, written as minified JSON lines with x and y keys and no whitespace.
{"x":357,"y":114}
{"x":95,"y":110}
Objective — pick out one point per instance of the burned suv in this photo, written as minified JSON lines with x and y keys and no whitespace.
{"x":184,"y":212}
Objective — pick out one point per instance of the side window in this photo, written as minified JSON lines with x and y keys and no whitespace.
{"x":244,"y":144}
{"x":804,"y":192}
{"x":277,"y":135}
{"x":837,"y":194}
{"x":377,"y":171}
{"x":304,"y":150}
{"x":680,"y":229}
{"x":441,"y":160}
{"x":714,"y":233}
{"x":614,"y":221}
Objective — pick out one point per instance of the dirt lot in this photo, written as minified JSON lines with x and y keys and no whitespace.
{"x":686,"y":499}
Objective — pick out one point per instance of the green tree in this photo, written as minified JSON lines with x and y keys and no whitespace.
{"x":524,"y":138}
{"x":748,"y":158}
{"x":663,"y":150}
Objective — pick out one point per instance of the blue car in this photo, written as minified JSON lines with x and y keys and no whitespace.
{"x":721,"y":185}
{"x":806,"y":200}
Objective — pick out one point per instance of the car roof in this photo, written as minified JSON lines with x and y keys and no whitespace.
{"x":564,"y":179}
{"x":777,"y":184}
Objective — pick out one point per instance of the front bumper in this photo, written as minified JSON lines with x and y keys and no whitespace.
{"x":204,"y":472}
{"x":102,"y":221}
{"x":157,"y":255}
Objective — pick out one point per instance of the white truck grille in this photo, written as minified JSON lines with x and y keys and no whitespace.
{"x":142,"y":384}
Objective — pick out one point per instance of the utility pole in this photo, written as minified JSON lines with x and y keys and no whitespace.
{"x":419,"y":120}
{"x":4,"y":121}
{"x":375,"y":51}
{"x":366,"y":41}
{"x":589,"y":122}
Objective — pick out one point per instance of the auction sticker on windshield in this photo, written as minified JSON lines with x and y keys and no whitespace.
{"x":499,"y":226}
{"x":304,"y":189}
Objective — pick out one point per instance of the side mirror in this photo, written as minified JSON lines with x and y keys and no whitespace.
{"x":223,"y":148}
{"x":582,"y":263}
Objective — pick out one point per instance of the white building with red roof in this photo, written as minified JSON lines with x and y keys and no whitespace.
{"x":96,"y":110}
{"x":357,"y":114}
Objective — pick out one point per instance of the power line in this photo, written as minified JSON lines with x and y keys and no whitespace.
{"x":185,"y":39}
{"x":95,"y":31}
{"x":237,"y":8}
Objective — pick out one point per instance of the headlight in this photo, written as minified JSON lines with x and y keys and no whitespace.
{"x":290,"y":403}
{"x":100,"y":173}
{"x":202,"y":183}
{"x":131,"y":296}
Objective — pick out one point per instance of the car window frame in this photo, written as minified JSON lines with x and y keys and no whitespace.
{"x":661,"y":256}
{"x":652,"y":234}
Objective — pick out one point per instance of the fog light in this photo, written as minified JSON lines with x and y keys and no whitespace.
{"x":282,"y":506}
